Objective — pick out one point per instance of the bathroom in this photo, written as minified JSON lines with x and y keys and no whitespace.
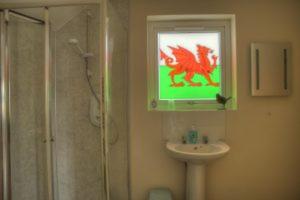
{"x":75,"y":117}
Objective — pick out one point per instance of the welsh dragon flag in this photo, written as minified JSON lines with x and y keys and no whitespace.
{"x":189,"y":66}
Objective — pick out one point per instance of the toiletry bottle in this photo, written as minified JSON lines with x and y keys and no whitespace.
{"x":192,"y":136}
{"x":183,"y":140}
{"x":205,"y":139}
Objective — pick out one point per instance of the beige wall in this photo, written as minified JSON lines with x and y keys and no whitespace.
{"x":264,"y":133}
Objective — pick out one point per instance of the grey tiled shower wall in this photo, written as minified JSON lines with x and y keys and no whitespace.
{"x":77,"y":149}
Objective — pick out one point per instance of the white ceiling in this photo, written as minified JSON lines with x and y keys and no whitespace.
{"x":59,"y":16}
{"x":48,"y":1}
{"x":28,"y":3}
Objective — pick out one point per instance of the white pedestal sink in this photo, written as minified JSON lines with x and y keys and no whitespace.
{"x":196,"y":156}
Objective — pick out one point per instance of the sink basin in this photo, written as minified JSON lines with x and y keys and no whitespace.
{"x":197,"y":153}
{"x":196,"y":156}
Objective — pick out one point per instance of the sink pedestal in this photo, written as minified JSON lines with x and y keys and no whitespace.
{"x":196,"y":156}
{"x":195,"y":181}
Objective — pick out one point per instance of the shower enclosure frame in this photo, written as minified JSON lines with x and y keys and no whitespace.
{"x":5,"y":177}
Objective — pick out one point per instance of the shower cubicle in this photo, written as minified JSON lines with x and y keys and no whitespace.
{"x":63,"y":101}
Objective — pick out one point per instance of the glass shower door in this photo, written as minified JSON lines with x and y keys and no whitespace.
{"x":26,"y":44}
{"x":52,"y":140}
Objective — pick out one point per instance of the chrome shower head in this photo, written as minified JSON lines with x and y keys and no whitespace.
{"x":74,"y":41}
{"x":89,"y":13}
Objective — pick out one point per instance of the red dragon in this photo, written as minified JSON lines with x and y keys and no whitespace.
{"x":186,"y":63}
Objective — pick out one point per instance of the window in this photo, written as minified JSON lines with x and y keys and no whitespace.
{"x":191,"y":59}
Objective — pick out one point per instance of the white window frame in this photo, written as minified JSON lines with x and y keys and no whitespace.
{"x":225,"y":24}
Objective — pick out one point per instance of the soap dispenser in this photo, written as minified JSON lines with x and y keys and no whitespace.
{"x":192,"y":136}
